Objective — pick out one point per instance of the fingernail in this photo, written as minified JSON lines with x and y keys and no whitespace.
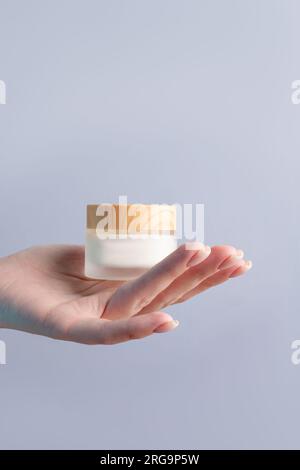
{"x":232,"y":260}
{"x":199,"y":257}
{"x":165,"y":327}
{"x":248,"y":264}
{"x":194,"y":246}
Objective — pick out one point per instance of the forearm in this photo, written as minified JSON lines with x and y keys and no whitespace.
{"x":8,"y":306}
{"x":4,"y":308}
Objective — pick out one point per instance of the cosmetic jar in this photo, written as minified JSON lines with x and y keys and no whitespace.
{"x":125,"y":240}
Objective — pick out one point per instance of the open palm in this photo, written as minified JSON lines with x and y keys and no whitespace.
{"x":46,"y":289}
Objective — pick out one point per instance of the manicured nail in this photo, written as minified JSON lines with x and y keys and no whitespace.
{"x":239,"y":254}
{"x":165,"y":327}
{"x":194,"y":246}
{"x":248,"y":265}
{"x":199,"y":257}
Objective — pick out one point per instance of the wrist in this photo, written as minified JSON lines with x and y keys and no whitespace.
{"x":6,"y":300}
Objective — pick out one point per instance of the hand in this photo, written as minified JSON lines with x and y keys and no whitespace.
{"x":43,"y":290}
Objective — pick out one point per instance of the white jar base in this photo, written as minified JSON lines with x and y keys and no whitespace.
{"x":124,"y":259}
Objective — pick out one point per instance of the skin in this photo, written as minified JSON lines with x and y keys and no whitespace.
{"x":46,"y":293}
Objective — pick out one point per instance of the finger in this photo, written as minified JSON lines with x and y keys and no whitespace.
{"x":219,"y":278}
{"x":231,"y":260}
{"x":95,"y":331}
{"x":242,"y":269}
{"x":130,"y":298}
{"x":192,"y":278}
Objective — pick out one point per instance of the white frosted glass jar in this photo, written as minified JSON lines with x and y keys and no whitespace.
{"x":125,"y":240}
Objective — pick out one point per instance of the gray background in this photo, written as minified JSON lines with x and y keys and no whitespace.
{"x":165,"y":101}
